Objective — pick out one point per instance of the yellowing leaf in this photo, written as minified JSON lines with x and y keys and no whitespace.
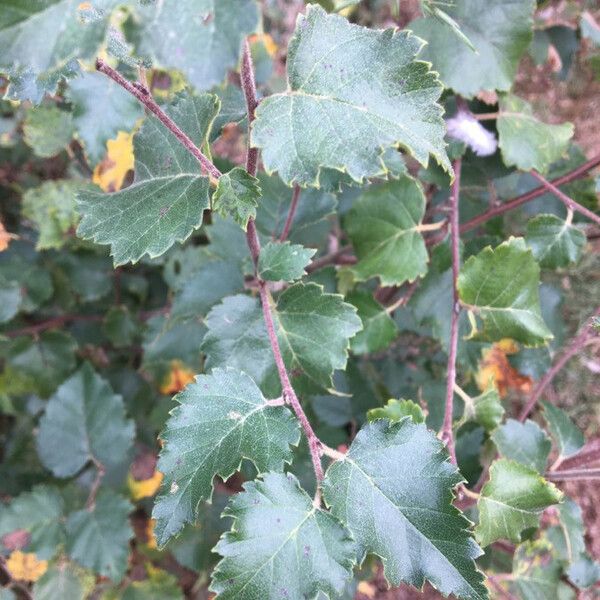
{"x":267,"y":41}
{"x":179,"y":376}
{"x":366,"y":589}
{"x":150,"y":537}
{"x":110,"y":173}
{"x":144,"y":488}
{"x":5,"y":237}
{"x":25,"y":566}
{"x":495,"y":368}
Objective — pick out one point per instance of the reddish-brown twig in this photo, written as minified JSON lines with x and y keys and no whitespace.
{"x":314,"y":444}
{"x":566,"y":200}
{"x":577,"y":343}
{"x":496,"y":211}
{"x":291,"y":213}
{"x":447,"y":435}
{"x":143,"y":95}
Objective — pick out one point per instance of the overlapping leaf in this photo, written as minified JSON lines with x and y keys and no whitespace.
{"x":525,"y":443}
{"x":84,"y":421}
{"x":41,"y":40}
{"x":554,"y":242}
{"x":394,"y":493}
{"x":511,"y":501}
{"x":237,"y":195}
{"x":566,"y":434}
{"x":283,"y":261}
{"x":99,"y":538}
{"x":314,"y":329}
{"x":383,"y":226}
{"x":52,"y":208}
{"x":352,"y":93}
{"x":526,"y":142}
{"x":39,"y":514}
{"x":378,"y":328}
{"x":202,"y":39}
{"x":500,"y":31}
{"x":500,"y":286}
{"x":281,"y":546}
{"x":221,"y":419}
{"x":168,"y":196}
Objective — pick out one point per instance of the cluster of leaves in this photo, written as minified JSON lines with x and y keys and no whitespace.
{"x":140,"y":260}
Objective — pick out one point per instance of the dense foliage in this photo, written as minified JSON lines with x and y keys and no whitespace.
{"x":233,"y":243}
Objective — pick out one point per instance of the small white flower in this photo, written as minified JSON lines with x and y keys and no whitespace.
{"x":466,"y":128}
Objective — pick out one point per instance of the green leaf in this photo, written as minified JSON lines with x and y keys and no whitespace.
{"x":337,"y":113}
{"x":396,"y":410}
{"x":584,"y":572}
{"x":101,"y":109}
{"x":44,"y":362}
{"x":501,"y":286}
{"x":573,"y":529}
{"x":40,"y":41}
{"x":192,"y":548}
{"x":160,"y":586}
{"x":500,"y":31}
{"x":237,"y":195}
{"x":237,"y":338}
{"x":10,"y":299}
{"x":177,"y":34}
{"x":39,"y":513}
{"x":311,"y":211}
{"x":204,"y":288}
{"x":119,"y":326}
{"x":99,"y":538}
{"x":565,"y":433}
{"x":383,"y":226}
{"x":281,"y":546}
{"x":283,"y":261}
{"x":60,"y":581}
{"x":554,"y":242}
{"x":525,"y":443}
{"x":488,"y":409}
{"x":84,"y":420}
{"x":221,"y":419}
{"x":313,"y":327}
{"x":168,"y":196}
{"x":52,"y":209}
{"x":314,"y":331}
{"x":536,"y":572}
{"x":511,"y":501}
{"x":21,"y":265}
{"x":378,"y":329}
{"x":48,"y":130}
{"x":392,"y":476}
{"x":526,"y":142}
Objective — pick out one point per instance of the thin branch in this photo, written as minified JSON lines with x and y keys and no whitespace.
{"x":291,"y":214}
{"x":249,"y":88}
{"x":573,"y":474}
{"x":50,"y":324}
{"x":143,"y":95}
{"x":566,"y":200}
{"x":577,"y":343}
{"x":332,"y":453}
{"x":314,"y":444}
{"x":447,"y":435}
{"x":62,"y":320}
{"x":19,"y":588}
{"x":100,"y":472}
{"x":524,"y":198}
{"x":327,"y":259}
{"x":588,"y":455}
